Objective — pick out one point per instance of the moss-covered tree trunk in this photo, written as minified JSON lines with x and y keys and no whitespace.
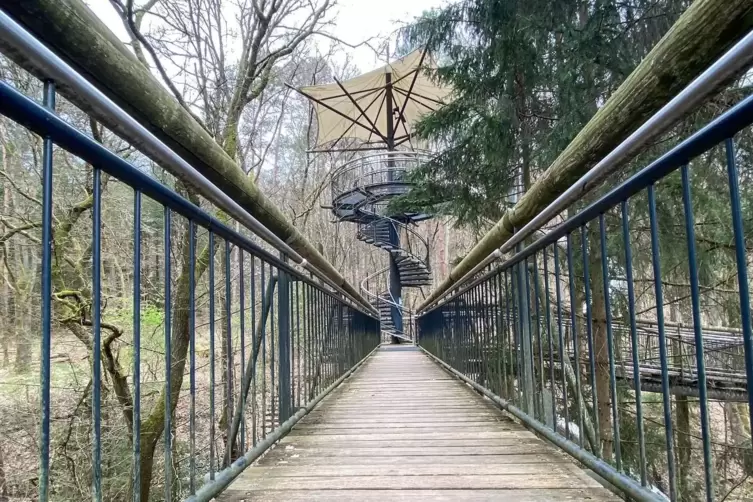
{"x":154,"y":425}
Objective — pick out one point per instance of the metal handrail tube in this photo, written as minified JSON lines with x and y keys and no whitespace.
{"x":726,"y":67}
{"x":56,"y":69}
{"x":409,"y":231}
{"x":362,"y":166}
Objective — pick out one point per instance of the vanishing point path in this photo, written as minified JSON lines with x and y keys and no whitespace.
{"x":401,"y":428}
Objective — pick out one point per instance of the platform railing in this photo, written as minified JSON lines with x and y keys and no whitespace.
{"x":372,"y":171}
{"x":556,"y":334}
{"x":250,"y":343}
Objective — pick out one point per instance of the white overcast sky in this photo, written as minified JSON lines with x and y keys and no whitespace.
{"x":356,"y":21}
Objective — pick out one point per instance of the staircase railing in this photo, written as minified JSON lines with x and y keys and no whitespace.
{"x":375,"y":289}
{"x":409,"y":237}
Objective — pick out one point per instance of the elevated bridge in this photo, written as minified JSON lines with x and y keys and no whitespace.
{"x":524,"y":382}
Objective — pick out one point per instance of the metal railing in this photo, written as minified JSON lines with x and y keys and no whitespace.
{"x":375,"y":287}
{"x":385,"y":169}
{"x":279,"y":339}
{"x":411,"y":242}
{"x":558,"y":333}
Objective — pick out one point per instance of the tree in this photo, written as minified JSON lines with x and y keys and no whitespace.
{"x":527,"y":77}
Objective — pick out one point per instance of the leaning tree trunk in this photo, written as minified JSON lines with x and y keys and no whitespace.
{"x":153,"y":427}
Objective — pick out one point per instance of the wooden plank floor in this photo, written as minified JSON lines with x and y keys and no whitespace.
{"x":401,"y":428}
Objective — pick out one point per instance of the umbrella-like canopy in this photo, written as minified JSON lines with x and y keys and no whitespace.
{"x":360,"y":108}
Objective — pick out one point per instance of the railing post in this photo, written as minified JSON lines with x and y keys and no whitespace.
{"x":525,"y":335}
{"x":283,"y":322}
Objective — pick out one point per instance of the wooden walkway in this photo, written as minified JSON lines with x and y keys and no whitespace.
{"x":401,"y":428}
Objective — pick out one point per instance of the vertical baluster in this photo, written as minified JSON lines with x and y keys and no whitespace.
{"x":283,"y":319}
{"x":192,"y":354}
{"x":655,"y":258}
{"x":136,"y":461}
{"x":254,"y":352}
{"x":550,"y":339}
{"x":634,"y":345}
{"x":698,"y":332}
{"x":97,"y":335}
{"x":211,"y":357}
{"x":488,"y":329}
{"x":501,"y":328}
{"x":299,"y":286}
{"x":168,"y":361}
{"x":514,"y":347}
{"x":46,"y":286}
{"x":273,"y":393}
{"x":467,"y":325}
{"x":242,"y":326}
{"x":561,"y":348}
{"x":306,"y":344}
{"x":610,"y":344}
{"x":294,"y":377}
{"x":576,"y":345}
{"x":527,"y":338}
{"x":264,"y":349}
{"x":228,"y":342}
{"x":742,"y":269}
{"x":507,"y":369}
{"x":589,"y":338}
{"x":318,"y":362}
{"x":539,"y":345}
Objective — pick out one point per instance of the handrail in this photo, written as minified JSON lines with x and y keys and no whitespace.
{"x":722,"y":127}
{"x":285,"y":296}
{"x":362,"y":166}
{"x":56,"y":69}
{"x":408,"y":230}
{"x":406,"y":313}
{"x":396,"y":153}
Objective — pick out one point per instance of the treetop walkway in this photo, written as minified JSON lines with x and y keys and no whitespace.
{"x":524,"y":381}
{"x":401,"y":428}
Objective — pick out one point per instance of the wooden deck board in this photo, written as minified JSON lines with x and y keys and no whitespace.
{"x":403,"y":429}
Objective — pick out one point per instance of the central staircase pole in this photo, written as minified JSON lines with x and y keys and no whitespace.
{"x":396,"y":289}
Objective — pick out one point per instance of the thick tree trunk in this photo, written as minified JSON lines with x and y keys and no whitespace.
{"x":683,"y":445}
{"x":697,"y":39}
{"x":8,"y":307}
{"x":153,"y":427}
{"x":601,"y":346}
{"x":739,"y":425}
{"x":74,"y":32}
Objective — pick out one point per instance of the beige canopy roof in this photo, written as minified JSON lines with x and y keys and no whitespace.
{"x":357,"y":108}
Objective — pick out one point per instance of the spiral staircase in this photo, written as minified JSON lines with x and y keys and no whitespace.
{"x":361,"y":192}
